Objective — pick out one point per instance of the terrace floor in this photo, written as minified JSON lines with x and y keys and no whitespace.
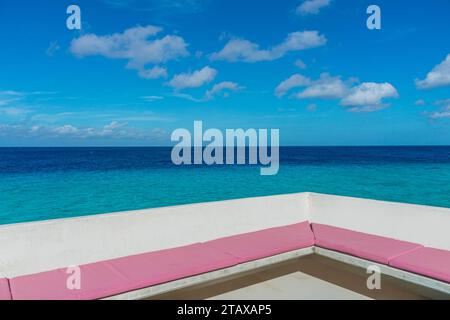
{"x":310,"y":277}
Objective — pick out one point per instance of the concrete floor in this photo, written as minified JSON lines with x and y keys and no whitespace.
{"x":306,"y":278}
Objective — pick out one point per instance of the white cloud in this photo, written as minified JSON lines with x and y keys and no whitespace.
{"x":186,"y":96}
{"x":65,"y":130}
{"x":152,"y":98}
{"x":443,"y":103}
{"x":133,"y":45}
{"x":52,"y":48}
{"x":114,"y":130}
{"x":119,"y":117}
{"x":438,"y":77}
{"x":119,"y":45}
{"x":300,"y":40}
{"x":11,"y":103}
{"x":115,"y":125}
{"x":8,"y":97}
{"x":14,"y":111}
{"x":242,"y":50}
{"x":246,"y":51}
{"x":444,"y":112}
{"x":300,"y":64}
{"x":11,"y":93}
{"x":312,"y":6}
{"x":368,"y":96}
{"x":10,"y":130}
{"x":365,"y":97}
{"x":294,"y":81}
{"x":420,"y":102}
{"x":18,"y":104}
{"x":193,"y":80}
{"x":326,"y":87}
{"x":5,"y":102}
{"x":222,"y":86}
{"x":441,"y":114}
{"x":153,"y":73}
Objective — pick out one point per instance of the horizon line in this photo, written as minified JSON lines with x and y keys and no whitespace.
{"x":283,"y":146}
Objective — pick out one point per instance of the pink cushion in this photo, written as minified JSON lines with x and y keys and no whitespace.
{"x":168,"y":265}
{"x":265,"y":243}
{"x":5,"y":294}
{"x":97,"y":280}
{"x":433,"y":263}
{"x":111,"y":277}
{"x":362,"y":245}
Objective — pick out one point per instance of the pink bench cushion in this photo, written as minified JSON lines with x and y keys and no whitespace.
{"x":111,"y":277}
{"x":433,"y":263}
{"x":362,"y":245}
{"x":265,"y":243}
{"x":5,"y":294}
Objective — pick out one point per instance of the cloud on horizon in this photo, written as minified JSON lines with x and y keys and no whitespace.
{"x":114,"y":131}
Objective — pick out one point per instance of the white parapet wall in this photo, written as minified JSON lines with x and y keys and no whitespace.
{"x":28,"y":248}
{"x":429,"y":226}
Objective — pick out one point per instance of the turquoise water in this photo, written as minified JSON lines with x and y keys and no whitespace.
{"x":38,"y":184}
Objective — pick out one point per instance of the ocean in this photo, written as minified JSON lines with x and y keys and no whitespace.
{"x":49,"y":183}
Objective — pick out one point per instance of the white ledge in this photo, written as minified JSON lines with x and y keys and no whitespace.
{"x":28,"y":248}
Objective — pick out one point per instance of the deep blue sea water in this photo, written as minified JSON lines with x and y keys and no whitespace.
{"x":48,"y":183}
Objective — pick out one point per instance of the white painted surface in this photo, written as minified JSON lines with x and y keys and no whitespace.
{"x":34,"y":247}
{"x":429,"y":226}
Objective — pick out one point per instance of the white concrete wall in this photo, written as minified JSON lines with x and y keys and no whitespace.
{"x":429,"y":226}
{"x":34,"y":247}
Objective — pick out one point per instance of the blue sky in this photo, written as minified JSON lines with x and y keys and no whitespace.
{"x":138,"y":69}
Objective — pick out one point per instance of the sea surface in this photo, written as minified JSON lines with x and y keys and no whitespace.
{"x":49,"y":183}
